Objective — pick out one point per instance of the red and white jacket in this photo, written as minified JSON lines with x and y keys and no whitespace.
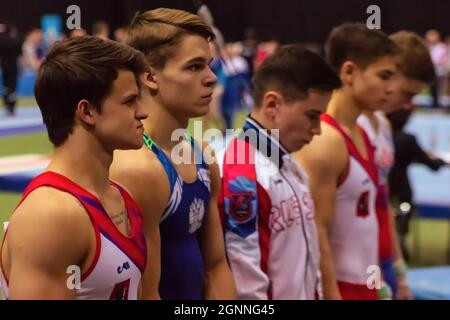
{"x":268,"y":218}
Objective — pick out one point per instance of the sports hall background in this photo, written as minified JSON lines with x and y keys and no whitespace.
{"x":289,"y":20}
{"x":304,"y":21}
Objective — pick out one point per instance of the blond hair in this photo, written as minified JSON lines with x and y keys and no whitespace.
{"x":158,"y":33}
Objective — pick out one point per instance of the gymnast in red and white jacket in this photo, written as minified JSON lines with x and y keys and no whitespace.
{"x":268,"y":218}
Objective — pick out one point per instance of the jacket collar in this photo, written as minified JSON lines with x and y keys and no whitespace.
{"x":264,"y":142}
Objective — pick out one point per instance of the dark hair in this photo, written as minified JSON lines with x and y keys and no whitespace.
{"x":355,"y":42}
{"x":292,"y":70}
{"x":76,"y":69}
{"x":158,"y":33}
{"x":413,"y":60}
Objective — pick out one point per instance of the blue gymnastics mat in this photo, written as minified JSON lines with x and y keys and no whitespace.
{"x":430,"y":283}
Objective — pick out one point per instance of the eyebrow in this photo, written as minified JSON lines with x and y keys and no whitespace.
{"x":199,"y":60}
{"x":130,"y":97}
{"x":314,"y":111}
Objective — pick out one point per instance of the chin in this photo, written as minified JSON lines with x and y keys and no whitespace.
{"x":199,"y":112}
{"x":137,"y":144}
{"x":371,"y":108}
{"x":393,"y":108}
{"x":298,"y":147}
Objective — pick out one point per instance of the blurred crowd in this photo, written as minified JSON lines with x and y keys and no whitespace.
{"x":440,"y":54}
{"x":234,"y":64}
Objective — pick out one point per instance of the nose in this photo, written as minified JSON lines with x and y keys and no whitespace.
{"x":141,"y":112}
{"x":316,"y":129}
{"x":211,"y":78}
{"x":390,"y":87}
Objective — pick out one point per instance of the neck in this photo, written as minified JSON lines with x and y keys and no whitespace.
{"x":344,"y":109}
{"x":372,"y":118}
{"x":259,"y":116}
{"x":83,"y":160}
{"x":161,"y":125}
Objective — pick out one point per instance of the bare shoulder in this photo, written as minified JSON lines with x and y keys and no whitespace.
{"x":48,"y":222}
{"x":141,"y":173}
{"x":326,"y":153}
{"x":133,"y":162}
{"x":136,"y":170}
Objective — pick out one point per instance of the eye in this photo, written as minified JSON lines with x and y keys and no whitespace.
{"x":195,"y":67}
{"x":131,"y":101}
{"x":385,"y":75}
{"x":313,"y":116}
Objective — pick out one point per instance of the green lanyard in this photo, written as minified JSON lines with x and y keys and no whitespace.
{"x":150,"y":143}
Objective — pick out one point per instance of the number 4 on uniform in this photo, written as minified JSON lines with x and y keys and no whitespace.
{"x":362,"y":209}
{"x":120,"y":291}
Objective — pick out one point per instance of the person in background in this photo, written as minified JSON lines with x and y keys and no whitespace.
{"x":237,"y":82}
{"x":249,"y":48}
{"x":407,"y":151}
{"x":10,"y":50}
{"x":438,"y":53}
{"x":77,"y":33}
{"x":31,"y":50}
{"x":100,"y":29}
{"x":120,"y":35}
{"x":264,"y":50}
{"x":415,"y":72}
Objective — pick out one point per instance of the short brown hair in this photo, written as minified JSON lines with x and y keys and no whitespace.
{"x":158,"y":33}
{"x":80,"y":68}
{"x":292,"y":70}
{"x":413,"y":60}
{"x":355,"y":42}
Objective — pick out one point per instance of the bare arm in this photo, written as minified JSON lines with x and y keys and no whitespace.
{"x":325,"y":160}
{"x":403,"y":290}
{"x":396,"y":250}
{"x":218,"y":280}
{"x":44,"y":239}
{"x":141,"y":178}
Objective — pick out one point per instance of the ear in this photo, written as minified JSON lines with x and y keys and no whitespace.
{"x":85,"y":112}
{"x":271,"y":103}
{"x":348,"y":72}
{"x":148,"y":79}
